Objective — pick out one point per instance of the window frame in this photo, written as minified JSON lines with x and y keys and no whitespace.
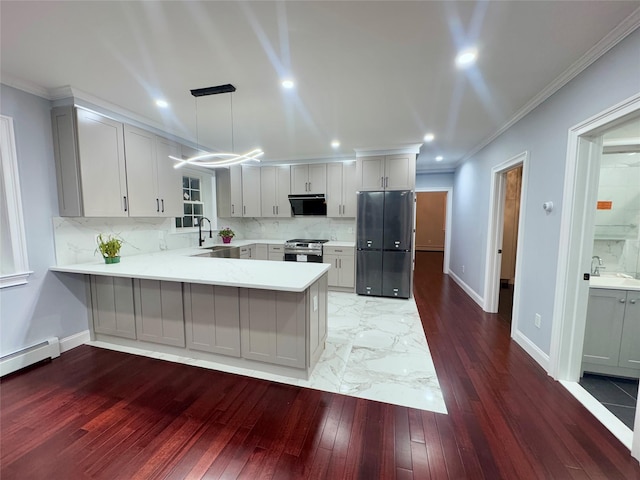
{"x":207,"y":197}
{"x":13,"y":199}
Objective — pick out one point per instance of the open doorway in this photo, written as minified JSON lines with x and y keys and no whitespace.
{"x":576,"y":262}
{"x":508,"y":188}
{"x":433,"y":223}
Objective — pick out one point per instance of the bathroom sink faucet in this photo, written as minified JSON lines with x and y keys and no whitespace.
{"x":596,"y":265}
{"x":200,"y":239}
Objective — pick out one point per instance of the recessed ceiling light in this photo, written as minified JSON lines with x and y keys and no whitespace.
{"x":439,"y":158}
{"x":162,"y":103}
{"x":335,"y":144}
{"x":466,"y":57}
{"x":288,"y":83}
{"x":429,"y":137}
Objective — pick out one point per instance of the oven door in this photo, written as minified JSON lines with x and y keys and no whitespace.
{"x":301,"y":256}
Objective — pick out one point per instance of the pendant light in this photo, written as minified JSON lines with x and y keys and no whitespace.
{"x":217,"y":159}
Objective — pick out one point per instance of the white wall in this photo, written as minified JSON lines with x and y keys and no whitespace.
{"x":543,"y":133}
{"x":434,"y":180}
{"x":50,"y":305}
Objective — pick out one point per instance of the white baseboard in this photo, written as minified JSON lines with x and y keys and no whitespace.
{"x":468,"y":290}
{"x":49,"y":348}
{"x":73,"y":341}
{"x":532,"y":350}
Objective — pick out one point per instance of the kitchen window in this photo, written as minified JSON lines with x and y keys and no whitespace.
{"x":14,"y":265}
{"x":198,"y":200}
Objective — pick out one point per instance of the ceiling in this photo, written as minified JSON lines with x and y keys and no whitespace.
{"x":370,"y":74}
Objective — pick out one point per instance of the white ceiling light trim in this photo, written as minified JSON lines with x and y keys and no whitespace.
{"x":162,"y":103}
{"x":288,"y":83}
{"x":429,"y":137}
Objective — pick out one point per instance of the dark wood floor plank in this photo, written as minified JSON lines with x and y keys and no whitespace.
{"x":100,"y":414}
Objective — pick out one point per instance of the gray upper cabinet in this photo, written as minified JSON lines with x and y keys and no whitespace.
{"x":105,"y":168}
{"x":90,"y":164}
{"x":390,"y":172}
{"x":238,"y":191}
{"x":341,"y":189}
{"x":310,"y":178}
{"x":274,"y":188}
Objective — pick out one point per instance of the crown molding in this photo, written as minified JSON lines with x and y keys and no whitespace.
{"x":413,"y":148}
{"x":615,"y":36}
{"x":24,"y":85}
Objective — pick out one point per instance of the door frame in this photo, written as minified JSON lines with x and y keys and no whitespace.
{"x":584,"y":149}
{"x":447,"y":226}
{"x":495,"y":229}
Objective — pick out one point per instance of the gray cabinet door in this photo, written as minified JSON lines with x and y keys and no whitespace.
{"x":212,"y":319}
{"x":273,"y":327}
{"x":112,"y":306}
{"x":369,"y":272}
{"x":159,"y":312}
{"x":630,"y":343}
{"x":605,"y":315}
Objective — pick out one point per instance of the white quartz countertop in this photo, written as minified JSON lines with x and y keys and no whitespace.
{"x":180,"y":266}
{"x":615,"y":282}
{"x":242,"y":243}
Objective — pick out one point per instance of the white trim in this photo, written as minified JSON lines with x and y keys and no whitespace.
{"x":566,"y":346}
{"x":604,"y":416}
{"x":413,"y":148}
{"x":615,"y":36}
{"x":495,"y":231}
{"x":49,"y":348}
{"x":25,"y":86}
{"x":531,"y":348}
{"x":9,"y":159}
{"x":75,"y":340}
{"x":468,"y":290}
{"x":448,"y":219}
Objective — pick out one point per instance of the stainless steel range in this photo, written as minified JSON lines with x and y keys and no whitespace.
{"x":303,"y":250}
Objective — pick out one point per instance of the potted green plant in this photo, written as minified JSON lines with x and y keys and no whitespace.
{"x":109,"y":247}
{"x":227,"y":234}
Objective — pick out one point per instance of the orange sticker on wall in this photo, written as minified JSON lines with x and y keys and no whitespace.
{"x":605,"y":204}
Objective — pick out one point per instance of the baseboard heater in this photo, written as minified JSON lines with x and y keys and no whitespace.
{"x":50,"y":348}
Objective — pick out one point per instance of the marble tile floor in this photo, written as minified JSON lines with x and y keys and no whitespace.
{"x":376,"y":349}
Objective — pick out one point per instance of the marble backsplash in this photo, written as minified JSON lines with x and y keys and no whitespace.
{"x":75,"y":237}
{"x":619,"y":256}
{"x":341,"y":229}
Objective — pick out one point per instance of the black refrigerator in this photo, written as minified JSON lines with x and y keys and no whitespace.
{"x":383,"y":242}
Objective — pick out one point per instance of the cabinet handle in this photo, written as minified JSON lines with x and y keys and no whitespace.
{"x":244,"y":209}
{"x":336,"y":260}
{"x":126,"y":207}
{"x":233,"y":209}
{"x":336,"y":250}
{"x":386,"y":182}
{"x":273,"y":209}
{"x":157,"y":205}
{"x":309,"y":186}
{"x":162,"y":201}
{"x":340,"y":263}
{"x":382,"y":182}
{"x":277,"y":209}
{"x":621,"y":300}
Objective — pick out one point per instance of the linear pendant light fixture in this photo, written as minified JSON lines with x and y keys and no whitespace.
{"x":219,"y":159}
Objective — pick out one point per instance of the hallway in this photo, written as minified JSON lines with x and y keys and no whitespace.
{"x":95,"y":413}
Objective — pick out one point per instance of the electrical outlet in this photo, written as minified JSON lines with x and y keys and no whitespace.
{"x":462,"y":268}
{"x":537,"y":320}
{"x":350,"y":229}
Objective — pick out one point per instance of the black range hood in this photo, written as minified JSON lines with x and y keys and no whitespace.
{"x":308,"y":204}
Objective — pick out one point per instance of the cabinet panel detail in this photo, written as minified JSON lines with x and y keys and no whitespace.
{"x":112,"y":306}
{"x":159,"y":312}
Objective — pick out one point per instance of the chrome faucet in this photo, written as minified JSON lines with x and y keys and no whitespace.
{"x":200,"y":239}
{"x":596,"y":265}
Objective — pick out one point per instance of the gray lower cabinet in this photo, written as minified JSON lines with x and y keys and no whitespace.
{"x":342,"y":272}
{"x":112,"y":307}
{"x":212,"y":319}
{"x":612,"y":333}
{"x":273,"y":326}
{"x":159,"y":312}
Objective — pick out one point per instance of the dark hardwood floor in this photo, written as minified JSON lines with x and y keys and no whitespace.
{"x":95,"y":413}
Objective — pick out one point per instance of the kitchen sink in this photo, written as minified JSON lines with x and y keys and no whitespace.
{"x":220,"y":251}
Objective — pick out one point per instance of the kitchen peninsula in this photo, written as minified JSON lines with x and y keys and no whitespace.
{"x":261,"y":315}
